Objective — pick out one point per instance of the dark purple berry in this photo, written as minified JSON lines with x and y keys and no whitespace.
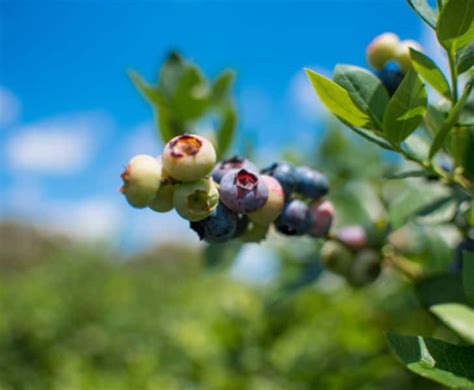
{"x":391,"y":77}
{"x":242,"y":224}
{"x":295,"y":219}
{"x":224,"y":166}
{"x":466,"y":245}
{"x":219,"y":227}
{"x":242,"y":191}
{"x":285,"y":174}
{"x":311,"y":183}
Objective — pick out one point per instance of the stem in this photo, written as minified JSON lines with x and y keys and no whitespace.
{"x":374,"y":140}
{"x":454,"y":84}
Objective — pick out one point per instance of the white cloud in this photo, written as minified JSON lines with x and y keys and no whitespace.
{"x":143,"y":139}
{"x":61,"y":145}
{"x":87,"y":219}
{"x":9,"y":107}
{"x":302,"y":96}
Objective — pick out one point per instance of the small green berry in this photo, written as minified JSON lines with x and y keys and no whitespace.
{"x":163,"y":200}
{"x":188,"y":157}
{"x":382,"y":49}
{"x":336,"y":258}
{"x":196,"y":200}
{"x":365,"y":268}
{"x":141,"y":180}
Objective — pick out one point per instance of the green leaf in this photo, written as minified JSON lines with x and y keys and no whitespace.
{"x":337,"y":100}
{"x":405,"y":109}
{"x":167,"y":125}
{"x":441,"y":288}
{"x":458,"y":317}
{"x":445,"y":363}
{"x":468,"y":275}
{"x":406,"y":174}
{"x":450,"y":121}
{"x":429,"y":72}
{"x":455,"y":26}
{"x":365,"y":89}
{"x":226,"y":131}
{"x":222,"y":84}
{"x":465,"y":59}
{"x":424,"y":11}
{"x":149,"y":92}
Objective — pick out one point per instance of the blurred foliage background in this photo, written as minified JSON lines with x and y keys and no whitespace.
{"x":76,"y":316}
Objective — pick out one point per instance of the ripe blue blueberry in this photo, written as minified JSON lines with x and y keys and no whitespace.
{"x":295,"y":218}
{"x":218,"y":227}
{"x":242,"y":191}
{"x":224,"y":166}
{"x":311,"y":183}
{"x":285,"y":174}
{"x":391,"y":77}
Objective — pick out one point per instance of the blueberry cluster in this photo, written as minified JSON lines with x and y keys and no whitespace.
{"x":230,"y":199}
{"x":349,"y":255}
{"x":391,"y":58}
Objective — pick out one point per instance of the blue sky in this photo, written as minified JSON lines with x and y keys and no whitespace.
{"x":70,"y":118}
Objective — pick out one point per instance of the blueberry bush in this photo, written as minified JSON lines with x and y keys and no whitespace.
{"x":400,"y":213}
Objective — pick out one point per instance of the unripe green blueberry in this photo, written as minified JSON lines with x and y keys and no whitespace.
{"x":336,"y":258}
{"x":188,"y":157}
{"x":196,"y":200}
{"x":402,"y":54}
{"x":274,"y":204}
{"x":141,"y":180}
{"x":163,"y":200}
{"x":382,"y":49}
{"x":255,"y":232}
{"x":365,"y":268}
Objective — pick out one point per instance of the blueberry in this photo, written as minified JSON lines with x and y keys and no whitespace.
{"x":274,"y":204}
{"x":365,"y":268}
{"x":141,"y":180}
{"x":224,"y":166}
{"x":323,"y":215}
{"x":243,"y":191}
{"x":311,"y":183}
{"x":285,"y":174}
{"x":391,"y":77}
{"x":383,"y":48}
{"x":354,"y":236}
{"x":467,"y":244}
{"x":336,"y":258}
{"x":188,"y":157}
{"x":197,"y":200}
{"x":218,"y":227}
{"x":295,"y":218}
{"x":242,"y":225}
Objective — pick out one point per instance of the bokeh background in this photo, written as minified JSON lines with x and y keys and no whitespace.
{"x":95,"y":294}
